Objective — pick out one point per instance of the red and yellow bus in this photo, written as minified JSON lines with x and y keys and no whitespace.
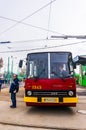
{"x":44,"y":86}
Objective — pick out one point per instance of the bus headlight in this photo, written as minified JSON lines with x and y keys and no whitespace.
{"x":29,"y":93}
{"x":70,"y":93}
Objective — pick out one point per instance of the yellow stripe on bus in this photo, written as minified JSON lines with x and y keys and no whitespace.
{"x":30,"y":99}
{"x":51,"y":100}
{"x":70,"y":100}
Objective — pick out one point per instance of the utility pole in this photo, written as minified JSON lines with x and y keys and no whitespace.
{"x":8,"y":72}
{"x":12,"y":65}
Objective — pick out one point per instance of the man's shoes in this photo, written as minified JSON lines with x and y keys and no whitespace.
{"x":12,"y":106}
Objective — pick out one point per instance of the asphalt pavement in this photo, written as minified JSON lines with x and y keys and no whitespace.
{"x":63,"y":118}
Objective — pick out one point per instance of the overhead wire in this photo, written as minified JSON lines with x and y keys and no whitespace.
{"x":36,"y":40}
{"x":24,"y":50}
{"x":49,"y":19}
{"x":27,"y":25}
{"x":31,"y":40}
{"x":21,"y":21}
{"x":37,"y":11}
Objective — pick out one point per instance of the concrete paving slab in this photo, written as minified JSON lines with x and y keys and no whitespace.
{"x":42,"y":117}
{"x":47,"y":117}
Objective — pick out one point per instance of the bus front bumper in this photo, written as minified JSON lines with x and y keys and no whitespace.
{"x":55,"y":100}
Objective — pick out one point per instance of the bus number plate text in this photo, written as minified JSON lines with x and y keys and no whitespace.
{"x":50,"y":100}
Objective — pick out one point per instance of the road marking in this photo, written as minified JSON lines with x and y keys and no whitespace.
{"x":82,"y":111}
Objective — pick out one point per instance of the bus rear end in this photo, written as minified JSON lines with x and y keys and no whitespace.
{"x":44,"y":86}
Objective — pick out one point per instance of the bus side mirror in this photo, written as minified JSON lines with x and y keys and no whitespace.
{"x":20,"y":63}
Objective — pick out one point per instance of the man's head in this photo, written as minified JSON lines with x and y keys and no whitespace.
{"x":61,"y":67}
{"x":14,"y":76}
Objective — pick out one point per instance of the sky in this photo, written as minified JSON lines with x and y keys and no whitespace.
{"x":29,"y":25}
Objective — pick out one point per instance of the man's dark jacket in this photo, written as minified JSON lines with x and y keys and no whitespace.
{"x":14,"y":86}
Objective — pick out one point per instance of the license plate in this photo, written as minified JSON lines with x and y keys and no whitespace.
{"x":49,"y":99}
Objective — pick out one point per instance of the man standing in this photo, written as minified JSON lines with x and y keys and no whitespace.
{"x":13,"y":90}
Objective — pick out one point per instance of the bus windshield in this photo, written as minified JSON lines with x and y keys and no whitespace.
{"x":49,"y":65}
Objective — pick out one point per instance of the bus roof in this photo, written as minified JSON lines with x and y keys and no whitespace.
{"x":49,"y":52}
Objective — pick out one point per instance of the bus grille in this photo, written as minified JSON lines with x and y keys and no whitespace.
{"x":50,"y":93}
